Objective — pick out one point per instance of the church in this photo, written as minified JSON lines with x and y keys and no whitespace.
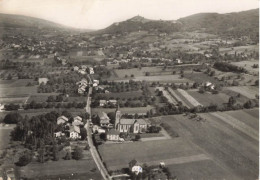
{"x":130,"y":125}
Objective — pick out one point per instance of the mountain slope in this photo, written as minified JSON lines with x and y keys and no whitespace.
{"x":19,"y":21}
{"x":237,"y":24}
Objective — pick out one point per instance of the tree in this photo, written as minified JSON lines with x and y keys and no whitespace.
{"x":25,"y":159}
{"x":231,"y":101}
{"x":67,"y":156}
{"x":137,"y":137}
{"x":83,"y":133}
{"x":78,"y":153}
{"x":13,"y":118}
{"x":55,"y":152}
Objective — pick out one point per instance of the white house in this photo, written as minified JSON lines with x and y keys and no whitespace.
{"x":75,"y":68}
{"x":102,"y":103}
{"x":113,"y":135}
{"x":74,"y":132}
{"x":104,"y":119}
{"x":43,"y":80}
{"x":62,"y":120}
{"x":137,"y":169}
{"x":58,"y":134}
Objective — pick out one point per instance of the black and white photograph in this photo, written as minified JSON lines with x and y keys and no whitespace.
{"x":129,"y":89}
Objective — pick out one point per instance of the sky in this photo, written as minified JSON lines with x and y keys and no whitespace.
{"x":98,"y":14}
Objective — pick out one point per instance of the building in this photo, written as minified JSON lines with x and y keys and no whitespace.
{"x":75,"y":68}
{"x":43,"y":80}
{"x":62,"y":120}
{"x":113,"y":135}
{"x":77,"y":121}
{"x":58,"y":134}
{"x":112,"y":101}
{"x":103,"y":119}
{"x":130,"y":125}
{"x":102,"y":103}
{"x":74,"y":132}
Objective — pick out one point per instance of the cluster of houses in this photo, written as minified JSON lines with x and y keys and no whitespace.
{"x":84,"y":83}
{"x":71,"y":130}
{"x":121,"y":125}
{"x":103,"y":102}
{"x":83,"y":69}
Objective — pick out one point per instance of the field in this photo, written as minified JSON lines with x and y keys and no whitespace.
{"x":155,"y":74}
{"x":207,"y":98}
{"x":247,"y":91}
{"x":227,"y":138}
{"x":164,"y":78}
{"x":16,"y":91}
{"x":179,"y":97}
{"x":121,"y":95}
{"x":69,"y":169}
{"x":189,"y":98}
{"x":5,"y":136}
{"x":248,"y":65}
{"x":117,"y":156}
{"x":35,"y":112}
{"x":200,"y":77}
{"x":124,"y":110}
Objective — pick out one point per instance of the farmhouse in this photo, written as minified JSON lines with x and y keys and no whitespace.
{"x":112,"y":101}
{"x":103,"y":119}
{"x":74,"y":132}
{"x":62,"y":120}
{"x":113,"y":135}
{"x":102,"y":103}
{"x":77,"y":121}
{"x":43,"y":80}
{"x":130,"y":125}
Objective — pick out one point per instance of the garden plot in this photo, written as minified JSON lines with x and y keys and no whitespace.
{"x":191,"y":100}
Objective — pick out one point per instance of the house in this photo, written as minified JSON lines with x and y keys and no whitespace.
{"x":130,"y":125}
{"x":75,"y":68}
{"x":113,"y":135}
{"x":62,"y":120}
{"x":137,"y":169}
{"x":74,"y":132}
{"x":81,"y":89}
{"x":43,"y":80}
{"x":103,"y":119}
{"x":178,"y":61}
{"x":209,"y":85}
{"x":83,"y":82}
{"x":58,"y":134}
{"x":112,"y":101}
{"x":102,"y":103}
{"x":77,"y":121}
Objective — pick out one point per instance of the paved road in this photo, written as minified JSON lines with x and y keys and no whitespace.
{"x":93,"y":149}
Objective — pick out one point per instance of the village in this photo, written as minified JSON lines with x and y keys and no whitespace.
{"x":140,"y":99}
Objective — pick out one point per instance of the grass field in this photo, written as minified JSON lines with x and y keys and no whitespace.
{"x":121,"y":95}
{"x":227,"y":142}
{"x":207,"y":98}
{"x":124,"y":110}
{"x":5,"y":136}
{"x":248,"y":65}
{"x":247,"y":91}
{"x":62,"y":169}
{"x":117,"y":156}
{"x":189,"y":98}
{"x":200,"y":77}
{"x":179,"y":97}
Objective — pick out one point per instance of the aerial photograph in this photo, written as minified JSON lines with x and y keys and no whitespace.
{"x":129,"y":89}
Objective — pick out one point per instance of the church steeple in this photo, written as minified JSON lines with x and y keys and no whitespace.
{"x":117,"y":116}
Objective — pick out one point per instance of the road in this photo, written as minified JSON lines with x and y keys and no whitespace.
{"x":93,"y":149}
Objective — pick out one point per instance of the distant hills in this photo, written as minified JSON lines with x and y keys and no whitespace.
{"x":237,"y":24}
{"x":19,"y":21}
{"x":241,"y":23}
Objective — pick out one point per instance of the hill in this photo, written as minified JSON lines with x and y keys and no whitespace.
{"x":139,"y":23}
{"x":19,"y":21}
{"x":237,"y":24}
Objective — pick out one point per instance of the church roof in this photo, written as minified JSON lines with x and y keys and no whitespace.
{"x":132,"y":121}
